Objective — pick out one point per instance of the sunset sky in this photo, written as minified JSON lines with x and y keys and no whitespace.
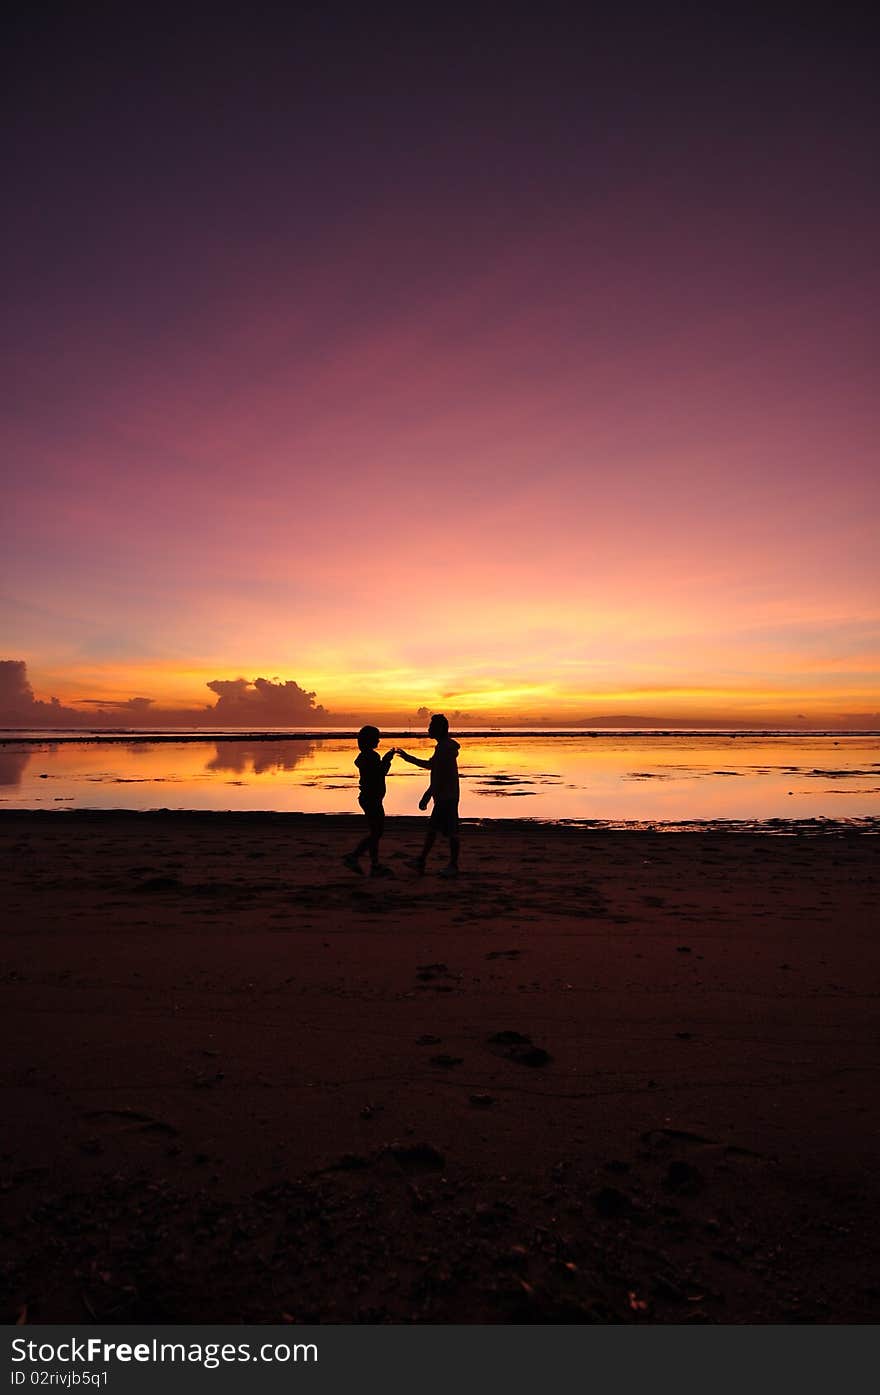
{"x":521,"y":365}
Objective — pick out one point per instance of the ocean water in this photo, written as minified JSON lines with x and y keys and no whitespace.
{"x":664,"y":779}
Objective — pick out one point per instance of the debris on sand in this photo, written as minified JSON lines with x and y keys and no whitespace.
{"x":417,"y":1157}
{"x":520,"y":1048}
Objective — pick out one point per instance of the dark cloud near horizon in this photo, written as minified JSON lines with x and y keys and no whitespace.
{"x":240,"y":702}
{"x":20,"y":708}
{"x":425,"y":714}
{"x":140,"y":706}
{"x":263,"y":702}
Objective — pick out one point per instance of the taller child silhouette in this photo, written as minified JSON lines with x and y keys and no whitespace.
{"x":443,"y":790}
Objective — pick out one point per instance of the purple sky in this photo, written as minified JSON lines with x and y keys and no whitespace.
{"x":522,"y":365}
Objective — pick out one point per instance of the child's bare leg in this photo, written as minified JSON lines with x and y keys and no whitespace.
{"x":453,"y":852}
{"x":352,"y":860}
{"x":369,"y":843}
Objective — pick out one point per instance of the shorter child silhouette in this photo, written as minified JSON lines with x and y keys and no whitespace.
{"x":373,"y":768}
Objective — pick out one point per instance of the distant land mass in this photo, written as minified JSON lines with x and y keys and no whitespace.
{"x":626,"y":719}
{"x":860,"y":721}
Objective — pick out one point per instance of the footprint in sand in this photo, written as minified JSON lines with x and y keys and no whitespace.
{"x":519,"y":1048}
{"x":133,"y":1122}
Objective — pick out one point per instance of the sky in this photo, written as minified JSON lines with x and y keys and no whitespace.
{"x":514,"y":363}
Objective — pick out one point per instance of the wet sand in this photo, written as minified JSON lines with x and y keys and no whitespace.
{"x":604,"y":1076}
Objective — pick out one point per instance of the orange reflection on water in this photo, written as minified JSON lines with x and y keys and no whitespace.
{"x":663,"y":778}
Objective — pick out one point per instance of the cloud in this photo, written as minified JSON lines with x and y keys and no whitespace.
{"x":140,"y":706}
{"x":263,"y":702}
{"x":16,"y":693}
{"x":457,"y":716}
{"x":19,"y":707}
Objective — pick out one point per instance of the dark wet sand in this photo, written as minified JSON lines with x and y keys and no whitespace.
{"x":242,"y":1084}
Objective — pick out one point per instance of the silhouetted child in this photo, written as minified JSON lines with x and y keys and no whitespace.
{"x":443,"y":789}
{"x":373,"y":768}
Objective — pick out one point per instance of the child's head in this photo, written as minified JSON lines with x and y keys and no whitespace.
{"x":368,"y":738}
{"x":438,"y":726}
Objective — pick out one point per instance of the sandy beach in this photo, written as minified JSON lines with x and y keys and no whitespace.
{"x":604,"y":1076}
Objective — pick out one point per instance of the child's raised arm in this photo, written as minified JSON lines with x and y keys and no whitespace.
{"x":414,"y":760}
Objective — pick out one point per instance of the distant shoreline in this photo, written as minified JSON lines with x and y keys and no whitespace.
{"x":865,"y":826}
{"x":138,"y":735}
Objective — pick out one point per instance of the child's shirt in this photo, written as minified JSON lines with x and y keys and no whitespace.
{"x":444,"y":770}
{"x":373,"y":769}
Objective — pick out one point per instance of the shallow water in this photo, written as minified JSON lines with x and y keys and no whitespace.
{"x":665,"y":779}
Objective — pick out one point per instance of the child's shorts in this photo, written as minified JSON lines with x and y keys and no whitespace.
{"x":375,"y":813}
{"x":444,"y":817}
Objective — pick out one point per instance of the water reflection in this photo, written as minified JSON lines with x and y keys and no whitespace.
{"x":608,"y":777}
{"x":13,"y":763}
{"x":258,"y":757}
